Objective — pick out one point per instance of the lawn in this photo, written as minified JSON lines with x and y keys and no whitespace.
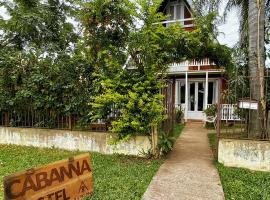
{"x":242,"y":184}
{"x":178,"y":128}
{"x":116,"y":177}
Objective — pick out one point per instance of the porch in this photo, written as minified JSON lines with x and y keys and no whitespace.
{"x":195,"y":92}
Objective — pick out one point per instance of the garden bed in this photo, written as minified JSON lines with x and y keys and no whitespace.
{"x":115,"y":176}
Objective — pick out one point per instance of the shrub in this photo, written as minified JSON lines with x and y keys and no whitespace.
{"x":165,"y":144}
{"x":179,"y":115}
{"x":211,"y":111}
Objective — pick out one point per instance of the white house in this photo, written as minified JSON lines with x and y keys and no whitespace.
{"x":195,"y":85}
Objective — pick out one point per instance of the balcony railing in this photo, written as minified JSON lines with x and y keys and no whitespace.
{"x":188,"y":22}
{"x":184,"y":66}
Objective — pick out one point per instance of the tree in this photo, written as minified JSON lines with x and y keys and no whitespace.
{"x":256,"y":21}
{"x":131,"y":91}
{"x":252,"y":38}
{"x":41,"y":65}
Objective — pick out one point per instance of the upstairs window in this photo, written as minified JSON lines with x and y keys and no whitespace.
{"x":175,"y":11}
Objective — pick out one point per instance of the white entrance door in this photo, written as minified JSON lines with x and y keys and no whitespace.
{"x":196,"y":99}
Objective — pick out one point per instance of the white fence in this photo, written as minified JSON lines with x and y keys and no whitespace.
{"x":179,"y":21}
{"x":228,"y":112}
{"x":184,"y":66}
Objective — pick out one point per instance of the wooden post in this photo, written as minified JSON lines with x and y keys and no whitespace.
{"x":6,"y":119}
{"x":206,"y":91}
{"x":69,"y":123}
{"x":218,"y":118}
{"x":154,"y":138}
{"x":173,"y":105}
{"x":268,"y":125}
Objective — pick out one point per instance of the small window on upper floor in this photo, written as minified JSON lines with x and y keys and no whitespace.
{"x":175,"y":11}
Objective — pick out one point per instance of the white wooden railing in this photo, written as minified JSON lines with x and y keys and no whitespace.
{"x":183,"y":66}
{"x":204,"y":62}
{"x":179,"y":21}
{"x":228,"y":112}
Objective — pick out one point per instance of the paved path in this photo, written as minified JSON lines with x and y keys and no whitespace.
{"x":188,"y":173}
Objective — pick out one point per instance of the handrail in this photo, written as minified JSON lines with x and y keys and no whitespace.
{"x":178,"y":21}
{"x":175,"y":21}
{"x":203,"y":62}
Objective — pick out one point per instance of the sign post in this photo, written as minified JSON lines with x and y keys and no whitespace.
{"x":70,"y":179}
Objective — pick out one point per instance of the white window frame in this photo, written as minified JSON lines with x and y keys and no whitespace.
{"x":175,"y":4}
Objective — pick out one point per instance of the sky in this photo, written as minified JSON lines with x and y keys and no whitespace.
{"x":229,"y":34}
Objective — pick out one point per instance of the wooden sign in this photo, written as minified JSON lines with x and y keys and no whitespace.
{"x":70,"y":179}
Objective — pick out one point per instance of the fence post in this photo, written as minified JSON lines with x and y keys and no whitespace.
{"x":69,"y":123}
{"x":154,"y":138}
{"x":268,"y":125}
{"x":218,"y":119}
{"x":6,"y":119}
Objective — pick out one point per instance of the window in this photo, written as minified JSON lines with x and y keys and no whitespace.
{"x":181,"y":92}
{"x":211,"y":93}
{"x":175,"y":11}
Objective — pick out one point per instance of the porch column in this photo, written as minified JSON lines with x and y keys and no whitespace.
{"x":206,"y":91}
{"x":186,"y":98}
{"x":177,"y":85}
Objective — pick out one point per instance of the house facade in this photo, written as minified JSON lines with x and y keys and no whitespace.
{"x":195,"y":85}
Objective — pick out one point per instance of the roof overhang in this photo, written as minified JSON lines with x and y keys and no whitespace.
{"x":165,"y":2}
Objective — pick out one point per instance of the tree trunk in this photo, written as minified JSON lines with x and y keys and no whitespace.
{"x":256,"y":20}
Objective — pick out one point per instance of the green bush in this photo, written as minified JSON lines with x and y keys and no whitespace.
{"x":165,"y":144}
{"x":211,"y":111}
{"x":179,"y":115}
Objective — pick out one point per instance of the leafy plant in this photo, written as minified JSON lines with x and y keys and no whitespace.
{"x":179,"y":115}
{"x":165,"y":144}
{"x":211,"y":111}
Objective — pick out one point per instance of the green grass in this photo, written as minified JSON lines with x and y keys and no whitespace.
{"x":242,"y":184}
{"x":178,"y":128}
{"x":115,"y":176}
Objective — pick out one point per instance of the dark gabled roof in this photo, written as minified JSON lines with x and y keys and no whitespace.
{"x":165,"y":2}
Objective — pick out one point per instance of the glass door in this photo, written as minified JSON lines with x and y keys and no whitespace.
{"x":192,"y":96}
{"x":200,"y":101}
{"x":196,"y":96}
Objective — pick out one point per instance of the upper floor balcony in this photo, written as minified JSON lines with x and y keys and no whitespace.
{"x":186,"y":23}
{"x":193,"y":65}
{"x":177,"y":11}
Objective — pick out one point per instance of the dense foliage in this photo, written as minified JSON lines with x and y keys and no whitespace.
{"x":40,"y":64}
{"x":110,"y":66}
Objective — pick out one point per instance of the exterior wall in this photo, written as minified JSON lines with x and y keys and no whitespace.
{"x":254,"y":155}
{"x":73,"y":140}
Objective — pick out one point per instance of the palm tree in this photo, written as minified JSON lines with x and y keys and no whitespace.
{"x":256,"y":55}
{"x":252,"y":35}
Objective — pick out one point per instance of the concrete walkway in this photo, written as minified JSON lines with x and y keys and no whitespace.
{"x":188,"y":173}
